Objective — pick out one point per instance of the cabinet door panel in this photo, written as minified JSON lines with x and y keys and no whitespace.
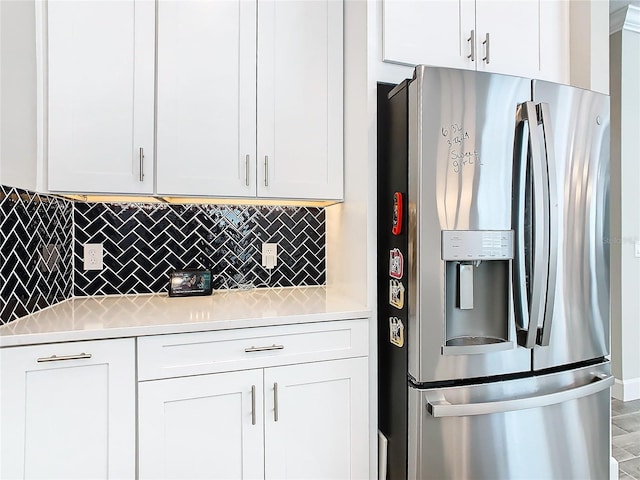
{"x":514,"y":38}
{"x":101,"y":95}
{"x":322,"y":424}
{"x":201,"y":427}
{"x":300,"y":99}
{"x":434,"y":32}
{"x":206,"y":98}
{"x":69,"y":418}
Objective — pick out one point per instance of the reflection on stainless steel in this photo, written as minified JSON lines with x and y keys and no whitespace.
{"x":541,"y":427}
{"x":460,"y":170}
{"x":580,"y":328}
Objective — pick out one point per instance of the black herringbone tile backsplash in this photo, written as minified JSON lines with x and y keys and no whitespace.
{"x":42,"y":239}
{"x":35,"y":252}
{"x":143,"y":242}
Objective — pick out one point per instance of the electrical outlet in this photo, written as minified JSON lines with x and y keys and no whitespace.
{"x":269,"y":255}
{"x":637,"y":248}
{"x":93,"y":256}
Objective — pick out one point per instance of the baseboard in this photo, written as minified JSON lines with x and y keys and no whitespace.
{"x":626,"y":390}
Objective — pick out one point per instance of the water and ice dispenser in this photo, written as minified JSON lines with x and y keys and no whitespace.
{"x":477,"y":290}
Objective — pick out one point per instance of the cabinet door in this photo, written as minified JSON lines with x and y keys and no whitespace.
{"x":68,"y":418}
{"x":101,"y":95}
{"x":514,"y":37}
{"x":316,"y":420}
{"x":435,"y":32}
{"x":300,"y":99}
{"x":206,"y":98}
{"x":207,"y":426}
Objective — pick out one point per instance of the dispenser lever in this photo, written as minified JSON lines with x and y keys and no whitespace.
{"x":465,"y":277}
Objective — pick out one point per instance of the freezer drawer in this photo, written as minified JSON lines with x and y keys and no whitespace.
{"x":548,"y":426}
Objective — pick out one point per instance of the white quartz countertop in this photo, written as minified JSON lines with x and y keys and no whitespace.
{"x":138,"y":315}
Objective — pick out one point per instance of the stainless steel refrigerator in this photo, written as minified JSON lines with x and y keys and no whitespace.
{"x":493,"y":278}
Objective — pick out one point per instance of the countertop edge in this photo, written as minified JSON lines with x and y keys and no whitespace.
{"x":172,"y":328}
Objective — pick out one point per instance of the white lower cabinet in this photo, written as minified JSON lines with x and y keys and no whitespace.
{"x":316,"y":420}
{"x":291,"y":422}
{"x":287,"y":411}
{"x":69,"y":410}
{"x":207,"y":426}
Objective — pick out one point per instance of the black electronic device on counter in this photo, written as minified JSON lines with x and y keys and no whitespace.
{"x":186,"y":283}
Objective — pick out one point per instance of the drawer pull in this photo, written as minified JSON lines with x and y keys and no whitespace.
{"x":264,"y":349}
{"x":55,"y":358}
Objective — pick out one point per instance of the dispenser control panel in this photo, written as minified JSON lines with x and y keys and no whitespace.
{"x":469,"y":245}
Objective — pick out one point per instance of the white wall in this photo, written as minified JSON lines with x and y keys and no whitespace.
{"x":625,"y":198}
{"x":351,"y":226}
{"x":589,"y":21}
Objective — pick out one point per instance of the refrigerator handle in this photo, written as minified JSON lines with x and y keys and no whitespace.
{"x":438,"y":406}
{"x":552,"y":232}
{"x":529,"y":303}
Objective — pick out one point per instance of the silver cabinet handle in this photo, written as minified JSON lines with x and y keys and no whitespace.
{"x":264,"y":349}
{"x":266,"y":170}
{"x":486,"y":49}
{"x":246,"y":170}
{"x":472,"y":40}
{"x":253,"y":404}
{"x":550,"y":202}
{"x":438,"y":406}
{"x":56,"y":358}
{"x":275,"y":402}
{"x":141,"y":164}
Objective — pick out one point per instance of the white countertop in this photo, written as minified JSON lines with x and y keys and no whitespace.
{"x":137,"y":315}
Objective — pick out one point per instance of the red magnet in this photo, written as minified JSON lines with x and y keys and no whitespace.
{"x":397,"y":213}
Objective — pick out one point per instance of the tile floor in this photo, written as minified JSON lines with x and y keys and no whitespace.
{"x":625,"y":430}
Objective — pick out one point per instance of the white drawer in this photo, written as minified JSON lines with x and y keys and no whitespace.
{"x":166,"y":356}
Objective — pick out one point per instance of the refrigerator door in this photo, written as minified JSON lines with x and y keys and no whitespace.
{"x":576,"y":130}
{"x":461,"y":142}
{"x":550,"y":426}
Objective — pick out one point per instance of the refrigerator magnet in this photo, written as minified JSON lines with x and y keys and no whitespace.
{"x":396,"y":262}
{"x":396,"y":294}
{"x":396,"y":229}
{"x":396,"y":331}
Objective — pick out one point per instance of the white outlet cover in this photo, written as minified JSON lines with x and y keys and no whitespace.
{"x":269,"y":255}
{"x":637,"y":253}
{"x":93,"y":253}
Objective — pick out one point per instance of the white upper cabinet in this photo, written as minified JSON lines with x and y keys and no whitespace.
{"x":221,"y":62}
{"x":247,"y":98}
{"x":429,"y":32}
{"x":206,"y":117}
{"x":101,"y":95}
{"x":528,"y":38}
{"x":508,"y":37}
{"x":300,"y":89}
